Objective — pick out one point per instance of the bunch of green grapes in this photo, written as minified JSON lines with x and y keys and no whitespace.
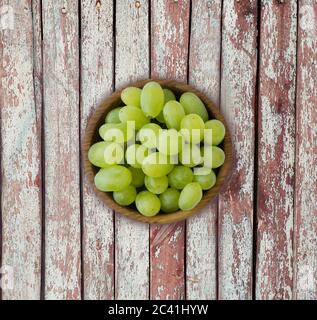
{"x":157,"y":153}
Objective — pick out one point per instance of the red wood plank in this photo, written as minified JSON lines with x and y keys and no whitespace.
{"x":305,"y":232}
{"x":276,"y":134}
{"x":169,"y":51}
{"x":20,"y":114}
{"x":61,"y":134}
{"x":238,"y":86}
{"x":132,"y":63}
{"x":96,"y":83}
{"x":204,"y":73}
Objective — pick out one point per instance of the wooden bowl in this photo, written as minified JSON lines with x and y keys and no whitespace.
{"x":92,"y":136}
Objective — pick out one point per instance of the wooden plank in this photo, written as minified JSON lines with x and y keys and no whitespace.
{"x":20,"y":153}
{"x":276,"y":136}
{"x":305,"y":231}
{"x":96,"y":83}
{"x":204,"y":73}
{"x":132,"y":63}
{"x":238,"y":86}
{"x":169,"y":52}
{"x":61,"y":133}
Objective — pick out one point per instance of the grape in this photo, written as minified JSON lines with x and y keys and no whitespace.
{"x":114,"y":178}
{"x":213,"y":157}
{"x":148,"y":203}
{"x":114,"y":153}
{"x":135,"y":155}
{"x":190,"y":155}
{"x":156,"y":185}
{"x":131,"y":113}
{"x":113,"y":116}
{"x":157,"y":165}
{"x":218,"y":132}
{"x":180,"y":177}
{"x":168,"y":96}
{"x":207,"y":180}
{"x":192,"y":128}
{"x":96,"y":154}
{"x":126,"y":196}
{"x":169,"y":200}
{"x":190,"y":196}
{"x":170,"y":142}
{"x":173,"y":113}
{"x":137,"y":177}
{"x":116,"y":132}
{"x":131,"y":96}
{"x":193,"y":104}
{"x":152,"y":99}
{"x":148,"y":135}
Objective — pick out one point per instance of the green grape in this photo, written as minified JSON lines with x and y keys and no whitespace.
{"x":169,"y":200}
{"x":96,"y":154}
{"x":126,"y":196}
{"x":170,"y":142}
{"x":173,"y":113}
{"x":156,"y":185}
{"x":137,"y":177}
{"x":157,"y":165}
{"x":148,"y":135}
{"x":148,"y":203}
{"x":192,"y":128}
{"x":152,"y":99}
{"x":135,"y":155}
{"x":131,"y":113}
{"x":190,"y":196}
{"x":168,"y":96}
{"x":190,"y":155}
{"x":114,"y":178}
{"x":131,"y":96}
{"x":193,"y":104}
{"x":180,"y":177}
{"x":206,"y":180}
{"x":218,"y":132}
{"x":113,"y":116}
{"x":213,"y":157}
{"x":114,"y":153}
{"x":116,"y":132}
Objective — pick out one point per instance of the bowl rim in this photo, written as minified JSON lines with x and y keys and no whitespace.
{"x":114,"y":100}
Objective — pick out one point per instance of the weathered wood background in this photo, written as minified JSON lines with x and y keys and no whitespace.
{"x":257,"y":60}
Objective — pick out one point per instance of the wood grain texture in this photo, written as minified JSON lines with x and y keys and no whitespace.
{"x":96,"y":83}
{"x":204,"y":73}
{"x":305,"y":232}
{"x":132,"y":63}
{"x":276,"y":136}
{"x":20,"y":153}
{"x":238,"y":86}
{"x":169,"y":53}
{"x":61,"y":133}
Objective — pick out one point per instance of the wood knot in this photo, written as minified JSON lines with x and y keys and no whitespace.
{"x":280,"y":1}
{"x":98,"y":4}
{"x":137,"y":4}
{"x":64,"y":10}
{"x":209,"y":4}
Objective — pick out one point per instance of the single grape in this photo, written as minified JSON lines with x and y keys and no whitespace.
{"x":126,"y":196}
{"x":218,"y":132}
{"x":190,"y":196}
{"x":152,"y":99}
{"x":131,"y":113}
{"x":148,"y":203}
{"x":114,"y":178}
{"x":96,"y":154}
{"x":116,"y":132}
{"x":156,"y":185}
{"x":213,"y":157}
{"x":135,"y":155}
{"x":190,"y":155}
{"x":137,"y":177}
{"x":170,"y":142}
{"x":169,"y":200}
{"x":207,"y":180}
{"x":113,"y":116}
{"x":131,"y":96}
{"x":157,"y":165}
{"x":192,"y":128}
{"x":168,"y":96}
{"x":148,"y":135}
{"x":193,"y":104}
{"x":173,"y":113}
{"x":180,"y":176}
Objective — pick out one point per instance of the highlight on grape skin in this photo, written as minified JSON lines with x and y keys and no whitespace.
{"x":159,"y":151}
